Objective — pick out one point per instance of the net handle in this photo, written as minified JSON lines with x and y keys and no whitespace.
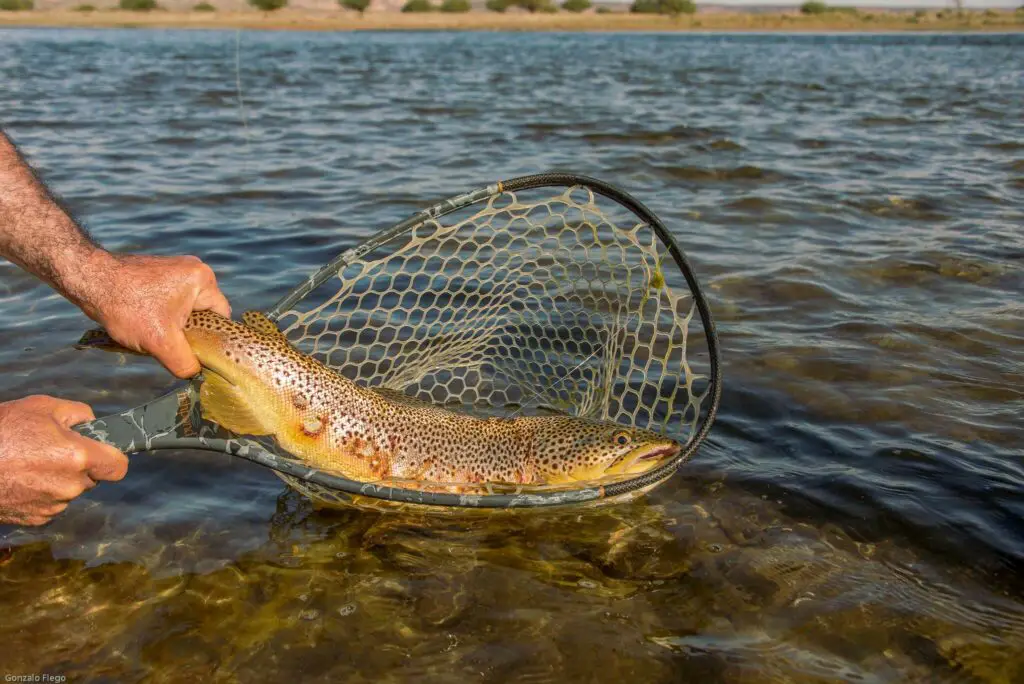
{"x":561,"y":180}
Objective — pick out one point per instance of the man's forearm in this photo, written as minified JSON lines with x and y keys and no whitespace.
{"x":143,"y":302}
{"x":37,"y":234}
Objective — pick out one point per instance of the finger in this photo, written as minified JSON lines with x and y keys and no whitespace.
{"x":104,"y":462}
{"x":71,"y":486}
{"x":175,"y":354}
{"x":54,"y":509}
{"x":68,"y":413}
{"x":33,"y":520}
{"x":211,"y":298}
{"x":28,"y":515}
{"x":60,"y":410}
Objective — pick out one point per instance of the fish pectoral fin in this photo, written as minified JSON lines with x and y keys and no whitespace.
{"x":226,"y":405}
{"x":258,"y":321}
{"x":99,"y":339}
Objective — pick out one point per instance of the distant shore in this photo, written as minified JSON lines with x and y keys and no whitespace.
{"x":864,"y":21}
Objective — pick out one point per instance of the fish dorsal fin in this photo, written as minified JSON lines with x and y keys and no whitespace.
{"x":226,"y":405}
{"x":259,"y":322}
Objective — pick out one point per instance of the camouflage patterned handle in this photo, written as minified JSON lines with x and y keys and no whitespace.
{"x":157,"y":424}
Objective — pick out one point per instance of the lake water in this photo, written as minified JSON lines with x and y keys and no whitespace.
{"x":854,"y":207}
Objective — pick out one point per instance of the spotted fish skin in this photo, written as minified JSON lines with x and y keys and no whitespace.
{"x":257,"y":383}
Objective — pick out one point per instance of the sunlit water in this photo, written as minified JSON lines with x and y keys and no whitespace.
{"x":854,"y":207}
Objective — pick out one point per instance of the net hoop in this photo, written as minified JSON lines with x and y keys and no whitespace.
{"x":331,"y":489}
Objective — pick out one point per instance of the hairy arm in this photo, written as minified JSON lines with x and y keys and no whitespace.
{"x":37,"y":234}
{"x":142,"y":301}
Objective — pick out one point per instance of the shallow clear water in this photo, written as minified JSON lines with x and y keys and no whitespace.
{"x":854,"y":207}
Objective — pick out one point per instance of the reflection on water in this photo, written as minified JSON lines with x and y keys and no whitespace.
{"x":852,"y":205}
{"x":723,"y":587}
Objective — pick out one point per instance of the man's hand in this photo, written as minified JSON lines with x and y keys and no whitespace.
{"x":144,"y":301}
{"x":43,"y":463}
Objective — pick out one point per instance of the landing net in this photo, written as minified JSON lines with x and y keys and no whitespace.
{"x":553,"y":293}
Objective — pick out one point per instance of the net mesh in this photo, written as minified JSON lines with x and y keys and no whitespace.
{"x":524,"y":304}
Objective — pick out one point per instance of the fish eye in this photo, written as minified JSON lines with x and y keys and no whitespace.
{"x":621,"y":438}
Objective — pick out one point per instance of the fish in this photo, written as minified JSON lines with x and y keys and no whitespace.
{"x":255,"y":382}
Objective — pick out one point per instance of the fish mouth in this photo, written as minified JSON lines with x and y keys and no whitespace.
{"x":643,"y":458}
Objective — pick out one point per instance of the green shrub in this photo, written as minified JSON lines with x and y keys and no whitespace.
{"x":576,"y":5}
{"x":498,"y":5}
{"x":921,"y":14}
{"x":418,"y":6}
{"x":991,"y":13}
{"x":675,"y":7}
{"x":813,"y":7}
{"x":672,"y":7}
{"x":204,"y":7}
{"x":455,"y":6}
{"x":85,"y":8}
{"x":17,"y":5}
{"x":355,"y":5}
{"x":604,"y":10}
{"x":532,"y":6}
{"x":268,"y":5}
{"x":646,"y":7}
{"x":137,"y":5}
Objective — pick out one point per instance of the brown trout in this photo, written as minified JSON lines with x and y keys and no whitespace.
{"x":256,"y":383}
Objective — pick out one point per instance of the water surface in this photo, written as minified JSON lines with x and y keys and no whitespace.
{"x":853,"y":206}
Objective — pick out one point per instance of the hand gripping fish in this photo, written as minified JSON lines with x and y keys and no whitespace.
{"x":256,"y":383}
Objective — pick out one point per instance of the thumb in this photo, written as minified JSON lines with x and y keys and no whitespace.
{"x":68,"y":413}
{"x":176,"y":356}
{"x":65,"y":412}
{"x":102,"y":461}
{"x":213,"y":299}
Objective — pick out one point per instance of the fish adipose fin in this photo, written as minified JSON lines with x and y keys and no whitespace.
{"x":225,"y":404}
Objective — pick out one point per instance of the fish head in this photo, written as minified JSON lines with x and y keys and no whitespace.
{"x":236,"y":351}
{"x":578,"y":450}
{"x":248,"y":376}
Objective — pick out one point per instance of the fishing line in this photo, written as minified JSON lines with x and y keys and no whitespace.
{"x":238,"y":91}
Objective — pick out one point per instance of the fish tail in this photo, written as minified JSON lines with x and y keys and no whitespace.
{"x":100,"y":339}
